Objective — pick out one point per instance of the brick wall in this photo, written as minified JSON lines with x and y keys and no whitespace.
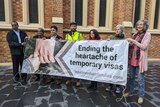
{"x":122,"y":11}
{"x":67,"y":12}
{"x":17,"y":10}
{"x":154,"y":50}
{"x":91,"y":8}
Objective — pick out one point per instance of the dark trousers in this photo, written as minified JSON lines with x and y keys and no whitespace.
{"x":111,"y":85}
{"x":17,"y":61}
{"x":94,"y":83}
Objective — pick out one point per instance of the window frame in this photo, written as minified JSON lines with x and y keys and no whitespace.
{"x":142,"y":10}
{"x":151,"y":16}
{"x":85,"y":13}
{"x":8,"y":14}
{"x":25,"y":22}
{"x":109,"y":13}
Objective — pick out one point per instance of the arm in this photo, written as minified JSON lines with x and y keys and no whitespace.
{"x":143,"y":45}
{"x":11,"y":41}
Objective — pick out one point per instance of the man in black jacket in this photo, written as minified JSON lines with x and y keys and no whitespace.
{"x":16,"y":41}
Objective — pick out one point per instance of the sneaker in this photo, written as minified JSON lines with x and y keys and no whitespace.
{"x":140,"y":100}
{"x":68,"y":81}
{"x":90,"y":86}
{"x":58,"y":82}
{"x":109,"y":88}
{"x":126,"y":94}
{"x":118,"y":90}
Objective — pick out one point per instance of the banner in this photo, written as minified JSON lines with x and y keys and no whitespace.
{"x":99,"y":60}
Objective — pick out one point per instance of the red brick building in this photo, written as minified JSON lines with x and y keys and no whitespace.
{"x":102,"y":15}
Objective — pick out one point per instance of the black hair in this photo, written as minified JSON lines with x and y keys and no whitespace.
{"x":73,"y":23}
{"x":55,"y":27}
{"x":97,"y":37}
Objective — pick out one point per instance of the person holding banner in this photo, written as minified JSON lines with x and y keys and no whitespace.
{"x":73,"y":35}
{"x":138,"y":54}
{"x":16,"y":41}
{"x":119,"y":35}
{"x":93,"y":35}
{"x":40,"y":35}
{"x":55,"y":36}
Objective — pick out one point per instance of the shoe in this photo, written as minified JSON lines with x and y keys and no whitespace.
{"x":16,"y":80}
{"x":58,"y":82}
{"x":126,"y":94}
{"x":68,"y":81}
{"x":78,"y":83}
{"x":49,"y":80}
{"x":140,"y":100}
{"x":90,"y":86}
{"x":109,"y":88}
{"x":95,"y":87}
{"x":118,"y":90}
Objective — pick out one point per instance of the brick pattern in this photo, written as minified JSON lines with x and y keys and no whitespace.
{"x":154,"y":50}
{"x":91,"y":8}
{"x":128,"y":5}
{"x":147,"y":13}
{"x":4,"y":49}
{"x":48,"y":13}
{"x":17,"y":10}
{"x":122,"y":11}
{"x":66,"y":17}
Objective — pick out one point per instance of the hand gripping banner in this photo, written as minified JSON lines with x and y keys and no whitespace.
{"x":99,"y":60}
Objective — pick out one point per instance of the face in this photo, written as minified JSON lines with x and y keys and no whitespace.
{"x":53,"y":32}
{"x":140,"y":26}
{"x":40,"y":32}
{"x":92,"y":34}
{"x":118,"y":31}
{"x":73,"y":27}
{"x":14,"y":25}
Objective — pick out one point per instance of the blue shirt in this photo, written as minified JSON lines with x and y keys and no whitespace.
{"x":18,"y":36}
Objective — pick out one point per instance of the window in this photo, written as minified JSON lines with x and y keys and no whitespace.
{"x":79,"y":12}
{"x":156,"y":17}
{"x":33,"y":11}
{"x":139,"y":10}
{"x":2,"y":11}
{"x":102,"y":13}
{"x":5,"y":13}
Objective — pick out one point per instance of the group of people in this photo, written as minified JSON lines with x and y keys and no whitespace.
{"x":138,"y":51}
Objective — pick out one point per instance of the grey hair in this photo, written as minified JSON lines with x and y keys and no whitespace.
{"x":145,"y":25}
{"x":119,"y":26}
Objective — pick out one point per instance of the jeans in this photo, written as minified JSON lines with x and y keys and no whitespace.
{"x":133,"y":71}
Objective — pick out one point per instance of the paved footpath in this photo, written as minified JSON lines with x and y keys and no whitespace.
{"x":36,"y":94}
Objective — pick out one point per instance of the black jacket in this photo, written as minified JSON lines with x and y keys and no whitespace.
{"x":16,"y":48}
{"x":57,"y":37}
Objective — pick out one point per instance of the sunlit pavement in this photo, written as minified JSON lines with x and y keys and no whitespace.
{"x":36,"y":94}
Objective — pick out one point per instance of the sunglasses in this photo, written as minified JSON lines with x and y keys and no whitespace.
{"x":14,"y":24}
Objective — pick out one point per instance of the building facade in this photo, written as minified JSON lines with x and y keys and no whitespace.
{"x":102,"y":15}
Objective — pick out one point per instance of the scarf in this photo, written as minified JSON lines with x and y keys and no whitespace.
{"x":134,"y":51}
